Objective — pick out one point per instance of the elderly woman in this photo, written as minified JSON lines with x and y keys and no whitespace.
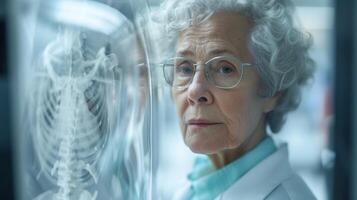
{"x":238,"y":70}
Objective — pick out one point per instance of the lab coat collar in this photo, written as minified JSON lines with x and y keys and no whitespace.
{"x":260,"y":181}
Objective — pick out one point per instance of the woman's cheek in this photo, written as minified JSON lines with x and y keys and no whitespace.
{"x":236,"y":131}
{"x":183,"y":127}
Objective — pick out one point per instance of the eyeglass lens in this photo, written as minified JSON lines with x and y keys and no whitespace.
{"x":221,"y":71}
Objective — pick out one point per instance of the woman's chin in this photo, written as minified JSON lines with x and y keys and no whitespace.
{"x":202,"y":147}
{"x":198,"y":150}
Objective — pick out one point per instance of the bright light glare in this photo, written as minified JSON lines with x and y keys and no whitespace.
{"x":89,"y":14}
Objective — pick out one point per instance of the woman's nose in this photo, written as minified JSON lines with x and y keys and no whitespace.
{"x":199,"y":90}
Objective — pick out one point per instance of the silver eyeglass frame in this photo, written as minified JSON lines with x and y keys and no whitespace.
{"x":208,"y":78}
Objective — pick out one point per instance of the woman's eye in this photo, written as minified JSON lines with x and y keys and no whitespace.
{"x":226,"y":68}
{"x":184,"y":69}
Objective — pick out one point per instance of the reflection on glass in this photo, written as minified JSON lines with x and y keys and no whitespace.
{"x":86,"y":134}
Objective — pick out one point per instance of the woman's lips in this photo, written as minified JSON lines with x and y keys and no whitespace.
{"x":201,"y":123}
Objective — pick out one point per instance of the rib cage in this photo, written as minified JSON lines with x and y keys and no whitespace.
{"x":64,"y":122}
{"x":72,"y":115}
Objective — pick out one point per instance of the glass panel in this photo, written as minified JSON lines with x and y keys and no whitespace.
{"x":84,"y":100}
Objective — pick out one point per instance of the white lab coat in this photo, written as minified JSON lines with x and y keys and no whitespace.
{"x":271,"y":179}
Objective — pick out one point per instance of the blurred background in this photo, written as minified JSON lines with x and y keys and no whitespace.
{"x":321,"y":133}
{"x":6,"y":153}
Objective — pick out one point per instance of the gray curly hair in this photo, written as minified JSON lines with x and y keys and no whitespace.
{"x":279,"y":48}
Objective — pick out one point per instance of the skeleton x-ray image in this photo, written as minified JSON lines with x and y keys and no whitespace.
{"x":86,"y":97}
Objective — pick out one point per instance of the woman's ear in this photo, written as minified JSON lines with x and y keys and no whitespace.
{"x":272,"y":101}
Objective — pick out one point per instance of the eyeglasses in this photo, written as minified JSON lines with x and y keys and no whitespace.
{"x":223,"y":71}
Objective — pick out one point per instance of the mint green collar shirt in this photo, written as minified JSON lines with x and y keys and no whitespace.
{"x":207,"y":183}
